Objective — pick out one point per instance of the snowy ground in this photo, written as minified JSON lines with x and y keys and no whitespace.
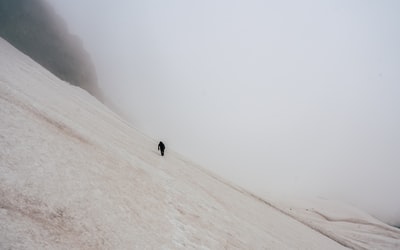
{"x":73,"y":175}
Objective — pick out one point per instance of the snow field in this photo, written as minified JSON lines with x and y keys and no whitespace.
{"x":73,"y":175}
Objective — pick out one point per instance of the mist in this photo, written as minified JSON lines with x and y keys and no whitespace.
{"x":282,"y":98}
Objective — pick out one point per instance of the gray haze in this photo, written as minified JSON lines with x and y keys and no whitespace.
{"x":280,"y":97}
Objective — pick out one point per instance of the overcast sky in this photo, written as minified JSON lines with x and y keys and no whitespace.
{"x":280,"y":97}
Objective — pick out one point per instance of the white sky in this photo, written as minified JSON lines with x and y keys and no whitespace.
{"x":282,"y":97}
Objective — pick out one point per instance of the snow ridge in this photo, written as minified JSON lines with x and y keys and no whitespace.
{"x":73,"y":175}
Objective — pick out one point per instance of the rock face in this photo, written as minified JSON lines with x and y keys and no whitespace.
{"x":34,"y":28}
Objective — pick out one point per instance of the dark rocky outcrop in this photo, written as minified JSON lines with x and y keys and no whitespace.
{"x":33,"y":27}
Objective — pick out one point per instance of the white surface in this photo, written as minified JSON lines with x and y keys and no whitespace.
{"x":73,"y":175}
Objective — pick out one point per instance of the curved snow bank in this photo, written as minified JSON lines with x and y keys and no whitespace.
{"x":73,"y":175}
{"x":347,"y":225}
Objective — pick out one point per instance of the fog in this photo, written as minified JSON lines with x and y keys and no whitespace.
{"x":297,"y":98}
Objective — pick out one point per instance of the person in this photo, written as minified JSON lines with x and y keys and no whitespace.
{"x":161,"y":147}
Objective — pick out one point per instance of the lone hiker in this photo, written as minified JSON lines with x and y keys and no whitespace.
{"x":161,"y":147}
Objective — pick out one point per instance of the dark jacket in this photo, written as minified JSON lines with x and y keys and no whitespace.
{"x":161,"y":146}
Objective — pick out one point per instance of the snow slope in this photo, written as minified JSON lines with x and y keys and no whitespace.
{"x":73,"y":175}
